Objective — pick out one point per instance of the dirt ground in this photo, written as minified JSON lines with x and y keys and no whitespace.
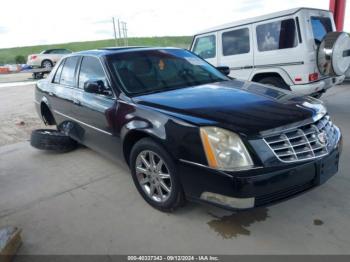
{"x":18,"y":77}
{"x":17,"y":114}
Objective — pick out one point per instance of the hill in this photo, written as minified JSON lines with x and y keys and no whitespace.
{"x":8,"y":55}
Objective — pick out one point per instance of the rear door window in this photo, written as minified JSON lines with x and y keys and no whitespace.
{"x":68,"y":71}
{"x":235,"y":42}
{"x":276,"y":35}
{"x":60,"y":51}
{"x":205,"y":46}
{"x":65,"y":51}
{"x":320,"y":27}
{"x":57,"y":77}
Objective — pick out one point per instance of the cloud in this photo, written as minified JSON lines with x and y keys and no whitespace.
{"x":43,"y":42}
{"x":103,"y":32}
{"x":144,"y":18}
{"x":105,"y":21}
{"x":248,"y":5}
{"x":3,"y":29}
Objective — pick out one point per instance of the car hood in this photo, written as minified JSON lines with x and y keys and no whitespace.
{"x":243,"y":107}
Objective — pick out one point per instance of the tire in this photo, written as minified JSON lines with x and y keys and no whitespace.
{"x":38,"y":75}
{"x":333,"y":54}
{"x":274,"y":81}
{"x":46,"y":64}
{"x":170,"y":200}
{"x":52,"y":140}
{"x":317,"y":95}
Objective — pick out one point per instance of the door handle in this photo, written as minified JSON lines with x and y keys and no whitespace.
{"x":76,"y":102}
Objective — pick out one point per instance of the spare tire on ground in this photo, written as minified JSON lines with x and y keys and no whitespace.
{"x":52,"y":140}
{"x":333,"y":56}
{"x":10,"y":241}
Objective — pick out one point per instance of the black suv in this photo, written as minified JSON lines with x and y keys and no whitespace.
{"x":187,"y":130}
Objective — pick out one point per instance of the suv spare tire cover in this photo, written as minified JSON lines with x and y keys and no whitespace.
{"x":333,"y":56}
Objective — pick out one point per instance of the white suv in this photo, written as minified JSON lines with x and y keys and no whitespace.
{"x":295,"y":49}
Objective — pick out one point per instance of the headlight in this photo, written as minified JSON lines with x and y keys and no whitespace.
{"x":224,"y":149}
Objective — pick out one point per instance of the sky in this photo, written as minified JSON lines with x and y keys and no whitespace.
{"x":36,"y":22}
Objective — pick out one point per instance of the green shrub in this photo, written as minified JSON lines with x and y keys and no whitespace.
{"x":20,"y":59}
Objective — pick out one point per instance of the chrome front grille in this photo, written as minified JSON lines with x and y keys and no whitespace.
{"x":303,"y":143}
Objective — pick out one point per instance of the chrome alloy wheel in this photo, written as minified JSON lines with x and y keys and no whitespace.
{"x":153,"y":176}
{"x":47,"y":64}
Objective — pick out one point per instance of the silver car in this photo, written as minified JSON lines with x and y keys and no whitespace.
{"x":47,"y":58}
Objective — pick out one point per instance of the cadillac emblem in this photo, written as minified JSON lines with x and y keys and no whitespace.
{"x":322,"y":138}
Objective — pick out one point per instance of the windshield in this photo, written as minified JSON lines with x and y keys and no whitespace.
{"x":320,"y":27}
{"x":149,"y":71}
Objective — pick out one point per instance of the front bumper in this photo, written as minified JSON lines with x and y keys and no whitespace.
{"x":256,"y":187}
{"x":317,"y":86}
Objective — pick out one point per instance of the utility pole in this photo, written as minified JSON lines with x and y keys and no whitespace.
{"x":115,"y":33}
{"x":122,"y":32}
{"x":125,"y":33}
{"x":119,"y":29}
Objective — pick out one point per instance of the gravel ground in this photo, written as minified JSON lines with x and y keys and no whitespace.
{"x":17,"y":114}
{"x":18,"y":77}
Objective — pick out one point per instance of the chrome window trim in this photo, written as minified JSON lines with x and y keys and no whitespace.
{"x":81,"y":56}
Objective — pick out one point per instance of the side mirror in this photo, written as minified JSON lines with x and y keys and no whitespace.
{"x":224,"y":69}
{"x":96,"y":87}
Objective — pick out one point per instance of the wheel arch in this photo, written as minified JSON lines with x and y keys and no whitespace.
{"x":132,"y":137}
{"x":47,"y":59}
{"x":276,"y":72}
{"x":46,"y":113}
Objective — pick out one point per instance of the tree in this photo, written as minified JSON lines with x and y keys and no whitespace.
{"x":20,"y":59}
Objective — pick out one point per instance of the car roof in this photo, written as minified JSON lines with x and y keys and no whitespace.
{"x":257,"y":19}
{"x":123,"y":49}
{"x":55,"y":49}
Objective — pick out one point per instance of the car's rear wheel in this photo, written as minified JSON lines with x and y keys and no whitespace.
{"x":317,"y":95}
{"x":38,"y":75}
{"x":52,"y":140}
{"x":274,"y":81}
{"x":155,"y":175}
{"x":47,"y":64}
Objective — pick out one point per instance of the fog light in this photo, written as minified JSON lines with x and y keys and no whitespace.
{"x":233,"y":202}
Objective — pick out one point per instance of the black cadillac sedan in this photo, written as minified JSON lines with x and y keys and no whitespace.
{"x":187,"y":130}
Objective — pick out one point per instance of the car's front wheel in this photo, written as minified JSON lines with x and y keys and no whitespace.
{"x":155,"y":176}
